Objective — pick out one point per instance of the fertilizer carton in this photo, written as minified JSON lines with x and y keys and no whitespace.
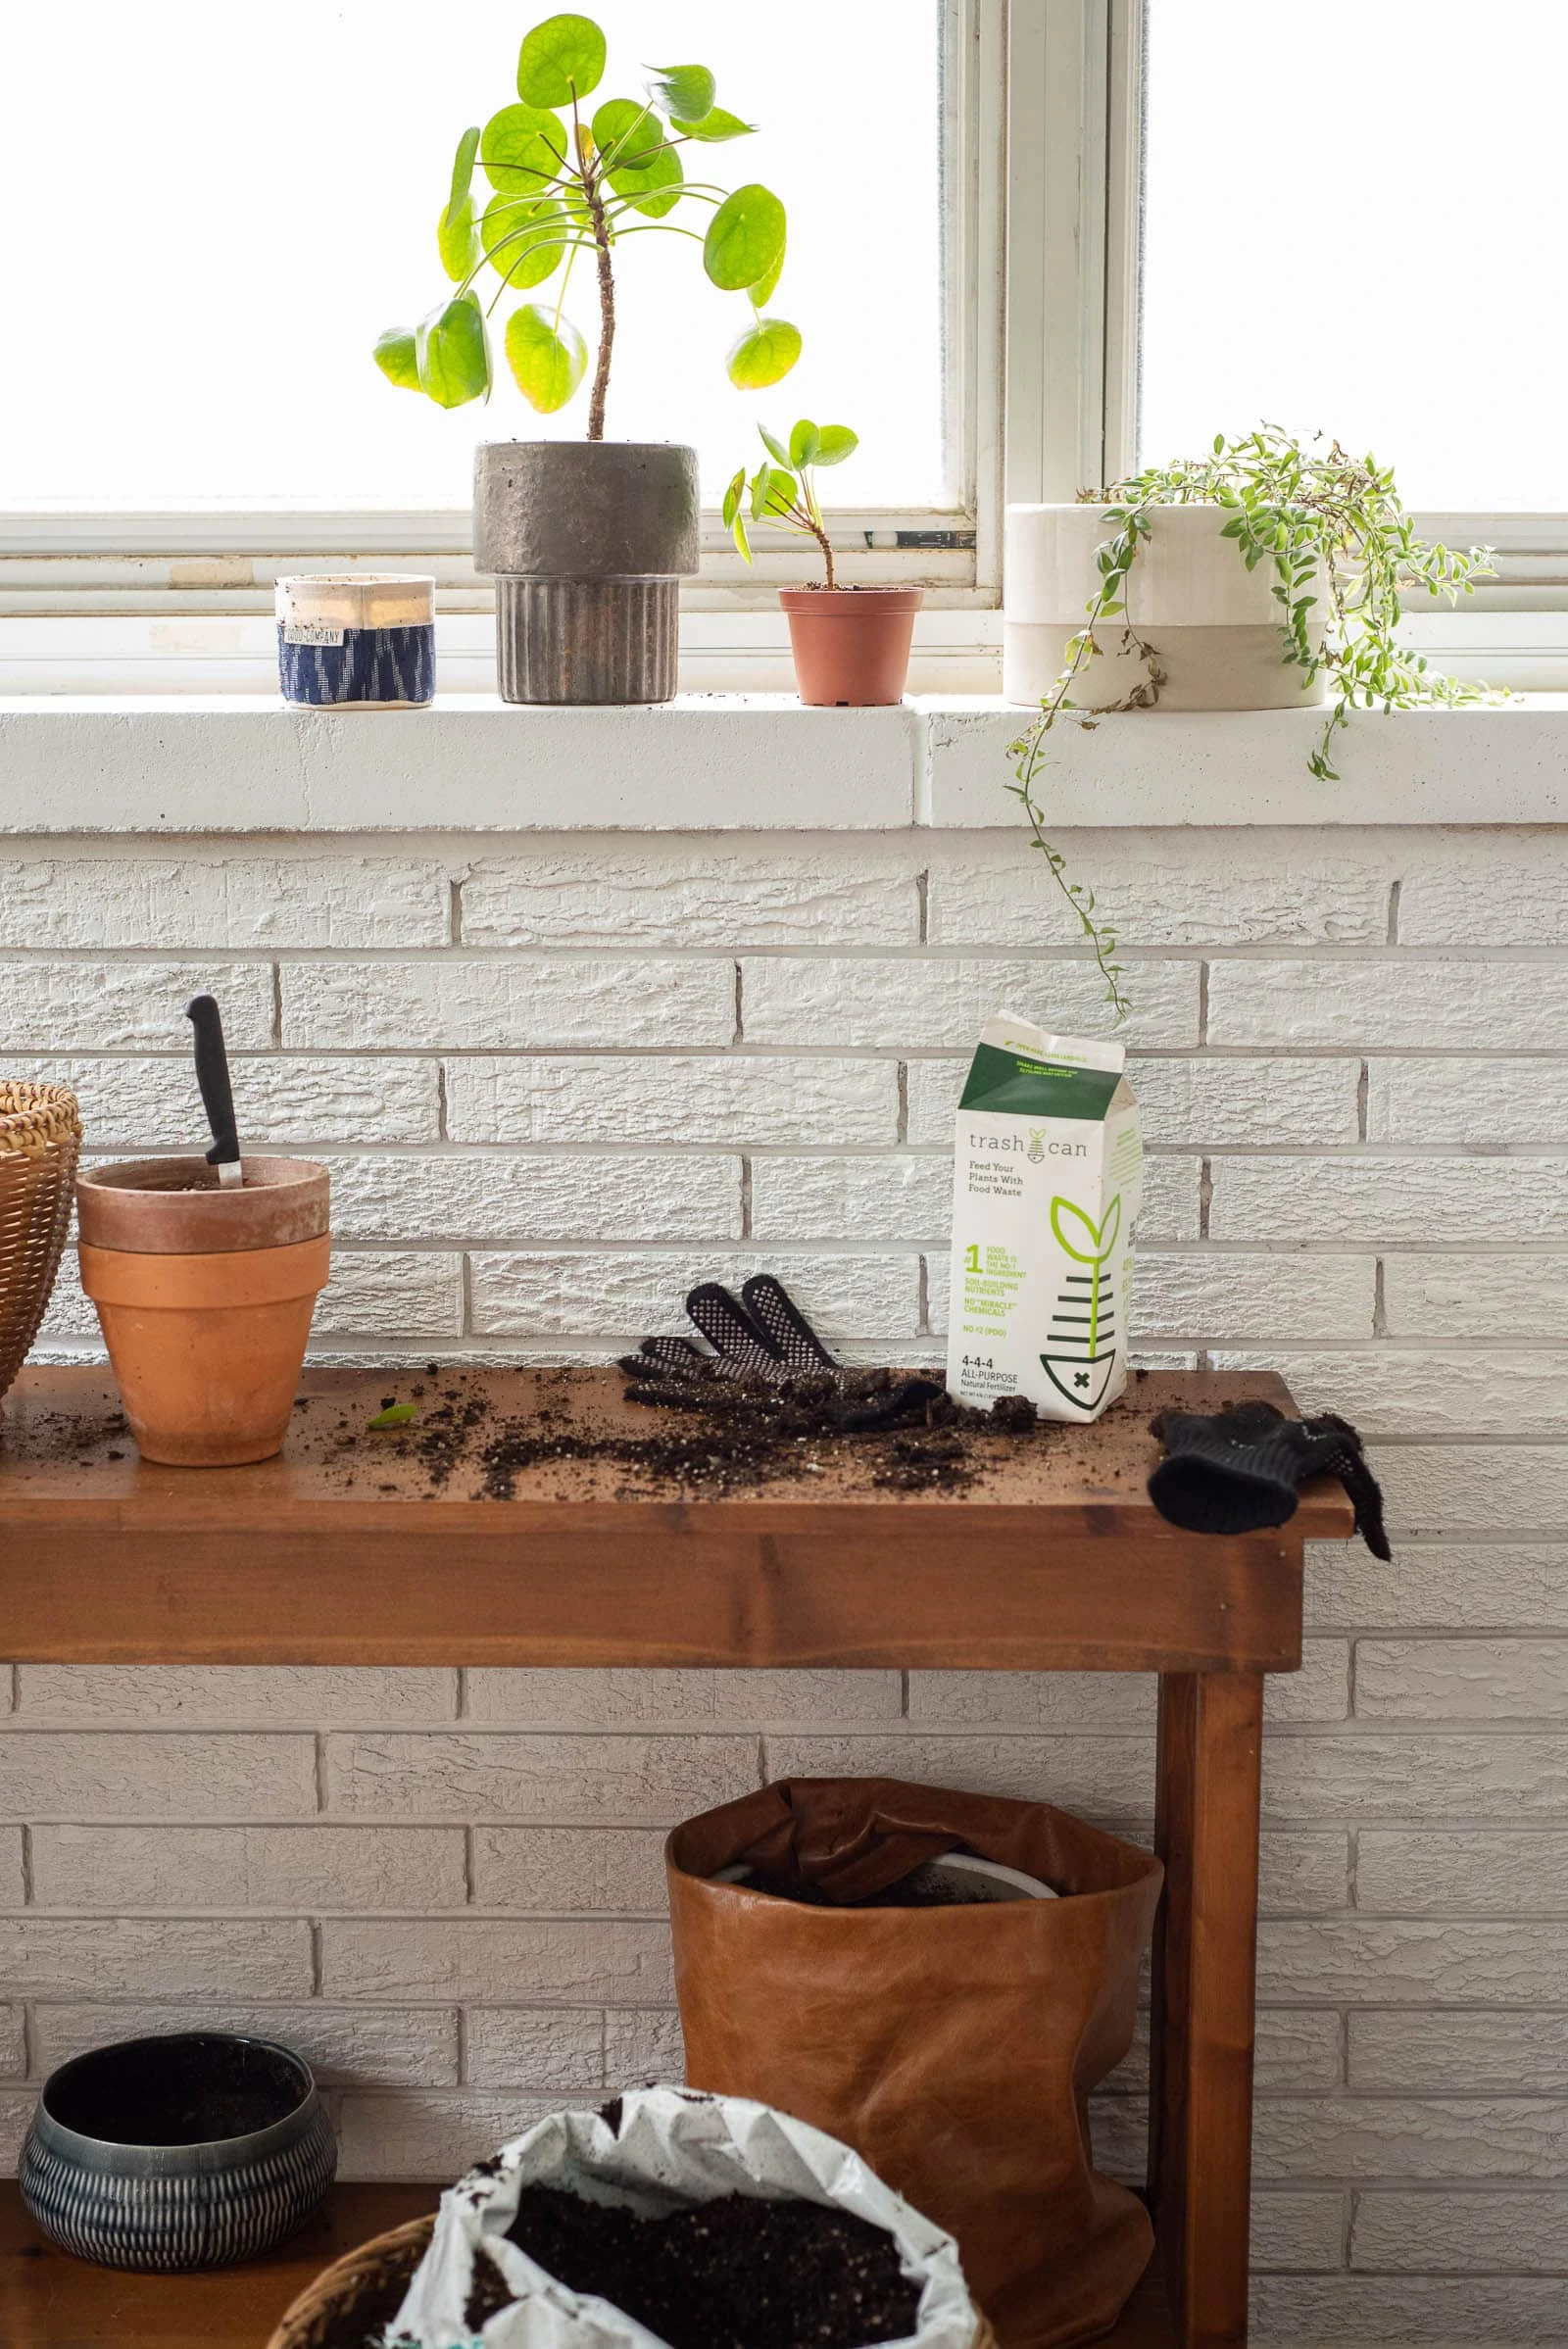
{"x":1048,"y":1176}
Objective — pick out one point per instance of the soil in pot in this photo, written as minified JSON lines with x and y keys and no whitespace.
{"x":850,"y":644}
{"x":735,"y":2273}
{"x":956,"y":1882}
{"x":188,"y":2089}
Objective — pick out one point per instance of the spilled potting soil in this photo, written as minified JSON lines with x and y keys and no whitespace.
{"x":466,"y":1432}
{"x":735,"y":2273}
{"x":898,"y":1428}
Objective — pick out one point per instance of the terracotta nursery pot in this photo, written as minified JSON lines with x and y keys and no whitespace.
{"x":850,"y":644}
{"x":205,"y":1297}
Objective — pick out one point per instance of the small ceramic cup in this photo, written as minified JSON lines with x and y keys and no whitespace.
{"x":360,"y":640}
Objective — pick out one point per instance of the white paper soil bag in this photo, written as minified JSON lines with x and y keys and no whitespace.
{"x":672,"y":2147}
{"x":1047,"y":1179}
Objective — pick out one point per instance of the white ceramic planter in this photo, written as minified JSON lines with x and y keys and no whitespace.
{"x":1214,"y":623}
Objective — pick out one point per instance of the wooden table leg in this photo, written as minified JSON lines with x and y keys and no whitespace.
{"x":1205,"y":1954}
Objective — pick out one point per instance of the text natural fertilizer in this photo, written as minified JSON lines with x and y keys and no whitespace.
{"x":1048,"y":1177}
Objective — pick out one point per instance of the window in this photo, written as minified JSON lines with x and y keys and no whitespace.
{"x":1027,"y":241}
{"x":241,"y":215}
{"x":1350,"y":226}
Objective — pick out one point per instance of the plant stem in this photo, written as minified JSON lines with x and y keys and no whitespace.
{"x":606,"y":310}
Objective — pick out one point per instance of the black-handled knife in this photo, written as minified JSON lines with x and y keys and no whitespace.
{"x":217,"y":1097}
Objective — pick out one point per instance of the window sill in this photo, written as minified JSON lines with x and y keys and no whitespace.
{"x":744,"y":762}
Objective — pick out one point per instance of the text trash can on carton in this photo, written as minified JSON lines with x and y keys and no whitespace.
{"x":1048,"y":1178}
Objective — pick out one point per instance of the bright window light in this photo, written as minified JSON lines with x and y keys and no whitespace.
{"x":1352,"y":215}
{"x":215,"y":212}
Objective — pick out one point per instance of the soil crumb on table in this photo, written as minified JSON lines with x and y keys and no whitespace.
{"x":735,"y":2273}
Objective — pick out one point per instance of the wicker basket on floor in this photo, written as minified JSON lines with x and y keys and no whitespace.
{"x":360,"y":2293}
{"x":40,"y":1136}
{"x":364,"y":2290}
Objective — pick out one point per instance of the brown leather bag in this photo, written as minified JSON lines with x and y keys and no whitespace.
{"x":954,"y":2048}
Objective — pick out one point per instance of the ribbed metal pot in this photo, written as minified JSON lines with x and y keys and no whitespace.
{"x":172,"y":2208}
{"x":588,"y":542}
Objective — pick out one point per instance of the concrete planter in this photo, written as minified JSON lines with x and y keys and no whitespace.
{"x":1214,"y":623}
{"x":588,"y":542}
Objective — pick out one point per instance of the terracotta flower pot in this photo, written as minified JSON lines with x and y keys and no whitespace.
{"x":850,"y":644}
{"x":205,"y":1297}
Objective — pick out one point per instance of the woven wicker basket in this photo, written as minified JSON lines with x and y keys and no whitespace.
{"x":366,"y":2288}
{"x":363,"y":2289}
{"x":40,"y":1136}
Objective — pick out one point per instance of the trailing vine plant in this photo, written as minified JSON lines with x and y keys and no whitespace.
{"x":566,"y":182}
{"x":1312,"y":516}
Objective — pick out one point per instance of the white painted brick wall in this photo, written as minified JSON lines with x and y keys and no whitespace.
{"x":557,"y":1082}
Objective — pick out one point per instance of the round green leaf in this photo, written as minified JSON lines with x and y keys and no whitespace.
{"x":561,"y":58}
{"x":685,"y":91}
{"x":763,"y":355}
{"x":523,"y":238}
{"x":521,"y":149}
{"x":654,"y":188}
{"x":462,"y":166}
{"x":804,"y":443}
{"x":762,"y":293}
{"x":452,"y":353}
{"x":834,"y":443}
{"x":548,"y":365}
{"x":745,"y":238}
{"x":775,"y":447}
{"x":456,"y":240}
{"x":715,"y":126}
{"x":627,"y":132}
{"x":397,"y":359}
{"x":643,"y":168}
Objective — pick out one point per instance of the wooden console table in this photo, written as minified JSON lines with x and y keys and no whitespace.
{"x":338,"y":1553}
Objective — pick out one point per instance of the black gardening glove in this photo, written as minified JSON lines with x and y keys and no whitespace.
{"x":1235,"y":1471}
{"x":763,"y":1338}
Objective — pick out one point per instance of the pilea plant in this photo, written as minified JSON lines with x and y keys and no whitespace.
{"x":1304,"y":512}
{"x":566,"y":183}
{"x":783,"y":490}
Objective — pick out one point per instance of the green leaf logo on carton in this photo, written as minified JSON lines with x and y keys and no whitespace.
{"x":1083,"y":1326}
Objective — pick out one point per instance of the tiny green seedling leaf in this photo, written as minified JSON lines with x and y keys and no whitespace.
{"x":396,"y":1415}
{"x":835,"y":442}
{"x":804,"y":443}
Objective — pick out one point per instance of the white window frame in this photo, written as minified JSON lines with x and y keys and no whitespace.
{"x":1042,"y":210}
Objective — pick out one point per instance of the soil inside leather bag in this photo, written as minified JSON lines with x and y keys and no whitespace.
{"x":735,"y":2273}
{"x":927,"y":1887}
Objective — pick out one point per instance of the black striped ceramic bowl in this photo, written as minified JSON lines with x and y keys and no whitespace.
{"x":195,"y":2150}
